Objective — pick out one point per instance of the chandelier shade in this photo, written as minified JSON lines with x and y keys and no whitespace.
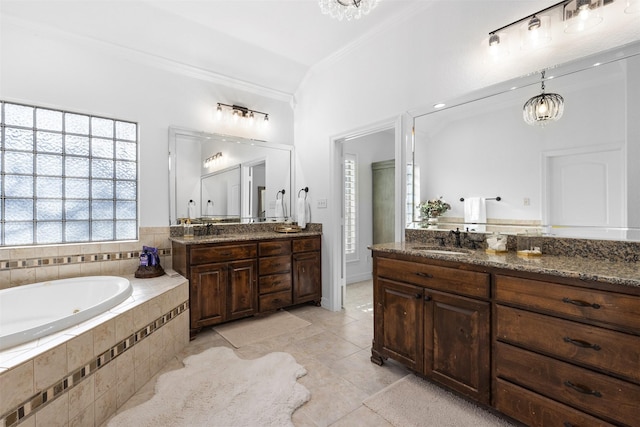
{"x":543,"y":108}
{"x":347,"y":9}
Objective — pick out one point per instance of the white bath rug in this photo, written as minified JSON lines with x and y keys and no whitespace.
{"x":216,"y":388}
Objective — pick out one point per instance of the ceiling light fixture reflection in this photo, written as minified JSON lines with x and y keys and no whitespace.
{"x":543,"y":108}
{"x":347,"y":9}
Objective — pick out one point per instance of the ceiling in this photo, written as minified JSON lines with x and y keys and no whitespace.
{"x":270,"y":44}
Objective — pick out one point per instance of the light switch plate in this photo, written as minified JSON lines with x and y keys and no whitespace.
{"x":322,"y":203}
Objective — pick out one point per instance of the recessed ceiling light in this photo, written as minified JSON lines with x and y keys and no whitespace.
{"x":440,"y":105}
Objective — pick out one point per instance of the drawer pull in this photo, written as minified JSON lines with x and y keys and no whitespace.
{"x":582,"y":389}
{"x":427,"y":275}
{"x":580,"y":303}
{"x":580,"y":343}
{"x":567,"y":424}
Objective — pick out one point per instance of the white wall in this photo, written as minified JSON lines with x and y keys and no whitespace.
{"x":49,"y":68}
{"x":434,"y":54}
{"x":368,"y":149}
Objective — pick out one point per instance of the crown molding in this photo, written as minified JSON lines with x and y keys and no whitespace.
{"x":151,"y":60}
{"x":338,"y":55}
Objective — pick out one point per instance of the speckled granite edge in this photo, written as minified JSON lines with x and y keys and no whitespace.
{"x":606,"y":250}
{"x":616,"y":273}
{"x":238,"y":232}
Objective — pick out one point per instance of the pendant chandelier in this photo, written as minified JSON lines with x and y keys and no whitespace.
{"x":347,"y":9}
{"x":543,"y":108}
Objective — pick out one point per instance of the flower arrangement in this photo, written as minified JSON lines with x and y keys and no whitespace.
{"x":434,"y":208}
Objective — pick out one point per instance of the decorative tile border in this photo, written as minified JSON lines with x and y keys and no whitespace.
{"x":74,"y":259}
{"x":44,"y":397}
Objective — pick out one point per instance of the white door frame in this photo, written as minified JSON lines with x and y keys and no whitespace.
{"x":337,"y":261}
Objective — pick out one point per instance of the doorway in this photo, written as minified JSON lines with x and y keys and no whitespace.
{"x":369,"y":188}
{"x":338,"y":261}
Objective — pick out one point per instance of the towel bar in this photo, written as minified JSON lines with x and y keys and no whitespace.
{"x":306,"y":190}
{"x":497,"y":199}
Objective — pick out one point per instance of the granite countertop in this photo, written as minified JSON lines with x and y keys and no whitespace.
{"x":618,"y":273}
{"x":241,"y":237}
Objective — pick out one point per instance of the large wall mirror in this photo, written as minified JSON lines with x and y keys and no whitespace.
{"x":576,"y":177}
{"x":221,"y":178}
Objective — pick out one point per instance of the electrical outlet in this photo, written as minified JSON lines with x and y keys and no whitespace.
{"x":322,"y":203}
{"x":527,"y":201}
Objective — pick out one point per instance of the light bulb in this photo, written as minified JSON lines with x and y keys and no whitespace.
{"x":542,"y":109}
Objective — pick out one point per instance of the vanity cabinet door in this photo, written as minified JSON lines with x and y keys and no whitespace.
{"x":398,"y":324}
{"x":243,"y":292}
{"x":208,"y":294}
{"x":457,"y":343}
{"x":307,"y":270}
{"x":306,"y":277}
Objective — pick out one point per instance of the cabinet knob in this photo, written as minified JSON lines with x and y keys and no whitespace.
{"x":418,"y":296}
{"x":427,"y":298}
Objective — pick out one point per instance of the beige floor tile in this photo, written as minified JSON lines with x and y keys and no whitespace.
{"x":335,"y":351}
{"x":361,"y":417}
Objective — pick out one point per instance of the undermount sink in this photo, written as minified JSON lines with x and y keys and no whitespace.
{"x":440,"y":251}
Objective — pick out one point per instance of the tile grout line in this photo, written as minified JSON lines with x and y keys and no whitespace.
{"x":74,"y":259}
{"x":41,"y":398}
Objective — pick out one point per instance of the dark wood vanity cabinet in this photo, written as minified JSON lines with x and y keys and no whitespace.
{"x":307,"y":279}
{"x":566,"y":354}
{"x":222,"y":283}
{"x":435,"y":320}
{"x":275,"y":274}
{"x":541,"y":349}
{"x":229,"y":281}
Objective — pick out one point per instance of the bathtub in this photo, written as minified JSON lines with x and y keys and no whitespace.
{"x":33,"y":311}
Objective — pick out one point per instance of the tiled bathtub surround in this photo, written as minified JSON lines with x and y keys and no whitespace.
{"x":605,"y":250}
{"x":81,"y":375}
{"x":25,"y":265}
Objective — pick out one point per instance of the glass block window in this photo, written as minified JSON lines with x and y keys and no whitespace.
{"x":66,"y":177}
{"x":350,"y":206}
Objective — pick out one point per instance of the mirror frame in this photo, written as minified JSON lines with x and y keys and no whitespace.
{"x":533,"y":79}
{"x":176,"y":131}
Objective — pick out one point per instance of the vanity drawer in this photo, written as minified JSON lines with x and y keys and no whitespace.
{"x":274,"y":265}
{"x":610,"y":351}
{"x":580,"y":303}
{"x":274,"y":283}
{"x":594,"y":393}
{"x":306,"y":245}
{"x":446,"y":279}
{"x":275,"y":247}
{"x":535,"y":410}
{"x":275,"y":301}
{"x":221,"y":253}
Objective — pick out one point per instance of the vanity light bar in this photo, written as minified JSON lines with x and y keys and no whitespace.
{"x":238,"y":111}
{"x":580,"y":7}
